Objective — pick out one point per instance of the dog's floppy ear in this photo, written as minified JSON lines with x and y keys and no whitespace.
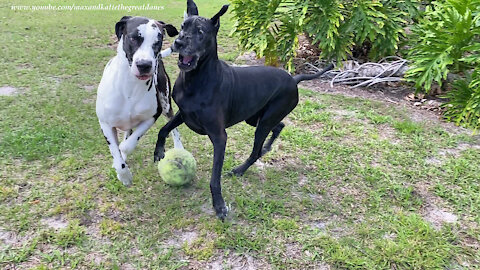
{"x":120,"y":26}
{"x":191,"y":8}
{"x":171,"y":30}
{"x":216,"y":18}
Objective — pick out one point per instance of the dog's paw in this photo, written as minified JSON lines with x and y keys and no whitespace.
{"x":158,"y":154}
{"x":221,"y":212}
{"x":125,"y":176}
{"x":237,"y":172}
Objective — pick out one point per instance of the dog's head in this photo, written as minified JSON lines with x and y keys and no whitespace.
{"x":197,"y":36}
{"x":141,"y":40}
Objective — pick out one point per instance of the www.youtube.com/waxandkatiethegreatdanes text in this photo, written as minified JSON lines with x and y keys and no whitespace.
{"x":99,"y":7}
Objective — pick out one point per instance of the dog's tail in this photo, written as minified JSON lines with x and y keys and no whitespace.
{"x":306,"y":77}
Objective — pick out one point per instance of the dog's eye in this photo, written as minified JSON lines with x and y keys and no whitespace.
{"x":135,"y":39}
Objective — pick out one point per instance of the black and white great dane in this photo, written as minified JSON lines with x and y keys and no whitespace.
{"x":212,"y":96}
{"x":135,"y":89}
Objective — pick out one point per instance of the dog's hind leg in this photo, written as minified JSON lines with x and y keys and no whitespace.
{"x":261,"y":134}
{"x":270,"y":120}
{"x":275,"y":133}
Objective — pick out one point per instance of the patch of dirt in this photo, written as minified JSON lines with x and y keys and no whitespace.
{"x":455,"y":152}
{"x":232,"y":261}
{"x":388,"y":134}
{"x":432,"y":210}
{"x":293,"y":250}
{"x":342,"y":113}
{"x":9,"y":238}
{"x":207,"y":209}
{"x":286,"y":162}
{"x":88,"y":101}
{"x":8,"y":91}
{"x":180,"y":237}
{"x":443,"y":154}
{"x":438,"y":216}
{"x":302,"y":180}
{"x":250,"y":59}
{"x":434,"y":161}
{"x":127,"y":266}
{"x":24,"y":66}
{"x":318,"y":224}
{"x":112,"y":43}
{"x":90,"y":88}
{"x":57,"y":80}
{"x":330,"y":225}
{"x":56,"y":223}
{"x":96,"y":258}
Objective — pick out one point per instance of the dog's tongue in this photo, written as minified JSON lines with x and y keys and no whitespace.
{"x":187,"y":59}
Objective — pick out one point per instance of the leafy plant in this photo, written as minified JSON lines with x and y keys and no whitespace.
{"x":464,"y":105}
{"x":270,"y":28}
{"x":441,"y":40}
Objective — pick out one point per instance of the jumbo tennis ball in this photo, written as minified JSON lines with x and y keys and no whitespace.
{"x":178,"y":167}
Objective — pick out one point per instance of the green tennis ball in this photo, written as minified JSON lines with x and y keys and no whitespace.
{"x":178,"y":167}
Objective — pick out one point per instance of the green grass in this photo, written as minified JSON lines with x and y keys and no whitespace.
{"x":350,"y":184}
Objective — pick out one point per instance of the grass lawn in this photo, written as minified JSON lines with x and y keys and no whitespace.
{"x":350,"y":184}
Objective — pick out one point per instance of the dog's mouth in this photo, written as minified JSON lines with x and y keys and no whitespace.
{"x":187,"y":61}
{"x":144,"y":77}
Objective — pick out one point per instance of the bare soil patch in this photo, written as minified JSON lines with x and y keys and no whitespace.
{"x":234,"y":261}
{"x":433,"y":210}
{"x":8,"y":91}
{"x":56,"y":223}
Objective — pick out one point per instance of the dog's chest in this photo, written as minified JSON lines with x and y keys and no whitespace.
{"x":127,"y":109}
{"x":195,"y":111}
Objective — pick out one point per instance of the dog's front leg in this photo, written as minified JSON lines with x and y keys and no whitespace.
{"x":131,"y":142}
{"x":177,"y":142}
{"x":219,"y":141}
{"x":123,"y":172}
{"x":162,"y":135}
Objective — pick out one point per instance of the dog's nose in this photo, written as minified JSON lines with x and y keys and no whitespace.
{"x":144,"y":66}
{"x":179,"y":43}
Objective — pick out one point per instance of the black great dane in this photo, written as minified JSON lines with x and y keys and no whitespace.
{"x":212,"y":96}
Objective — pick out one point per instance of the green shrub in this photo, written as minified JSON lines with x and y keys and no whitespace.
{"x":270,"y":28}
{"x":440,"y":41}
{"x":464,"y":105}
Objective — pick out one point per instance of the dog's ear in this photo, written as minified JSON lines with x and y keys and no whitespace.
{"x":191,"y":8}
{"x":216,"y":18}
{"x":120,"y":26}
{"x":171,"y":30}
